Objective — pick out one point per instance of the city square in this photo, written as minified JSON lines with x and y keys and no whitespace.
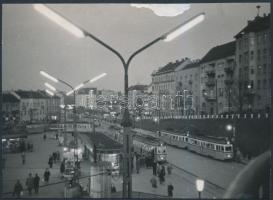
{"x":136,"y":100}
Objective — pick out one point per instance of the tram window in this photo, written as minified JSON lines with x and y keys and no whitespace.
{"x":213,"y":146}
{"x":222,"y":148}
{"x":186,"y":139}
{"x":228,"y":148}
{"x":217,"y":148}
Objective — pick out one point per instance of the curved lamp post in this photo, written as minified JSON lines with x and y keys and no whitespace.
{"x":126,"y":122}
{"x":73,"y":90}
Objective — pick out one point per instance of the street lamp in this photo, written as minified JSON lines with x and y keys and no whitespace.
{"x":73,"y":90}
{"x":200,"y":186}
{"x":126,"y":122}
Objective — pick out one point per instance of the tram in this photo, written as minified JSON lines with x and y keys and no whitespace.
{"x":216,"y":147}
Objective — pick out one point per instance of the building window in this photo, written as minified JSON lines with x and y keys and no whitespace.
{"x":265,"y":53}
{"x":251,"y":55}
{"x":264,"y":68}
{"x":265,"y":38}
{"x":221,"y":92}
{"x":258,"y":55}
{"x":240,"y":59}
{"x":258,"y":84}
{"x":264,"y":84}
{"x":252,"y":41}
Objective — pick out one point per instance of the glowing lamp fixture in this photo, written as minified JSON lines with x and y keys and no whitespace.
{"x":49,"y":92}
{"x":49,"y":76}
{"x":58,"y":19}
{"x":50,"y":87}
{"x":200,"y":185}
{"x":184,"y":27}
{"x":228,"y":127}
{"x":97,"y":77}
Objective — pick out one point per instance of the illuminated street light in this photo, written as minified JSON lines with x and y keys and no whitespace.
{"x":126,"y":122}
{"x":49,"y":76}
{"x":184,"y":27}
{"x":50,"y":87}
{"x":58,"y":19}
{"x":85,"y":82}
{"x":200,"y":186}
{"x":49,"y":92}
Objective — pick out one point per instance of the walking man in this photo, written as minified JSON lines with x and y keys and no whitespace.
{"x":170,"y":190}
{"x":44,"y":137}
{"x":30,"y":183}
{"x":154,"y":168}
{"x":154,"y":182}
{"x":36,"y":183}
{"x":23,"y":158}
{"x":50,"y":161}
{"x":137,"y":164}
{"x":46,"y":175}
{"x":62,"y":168}
{"x":18,"y":189}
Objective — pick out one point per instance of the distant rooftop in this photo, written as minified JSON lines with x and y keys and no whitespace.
{"x":171,"y":66}
{"x":221,"y":51}
{"x":138,"y":87}
{"x":9,"y":98}
{"x":30,"y":94}
{"x":192,"y":65}
{"x":258,"y":24}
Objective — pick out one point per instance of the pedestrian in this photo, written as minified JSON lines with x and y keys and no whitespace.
{"x":36,"y":183}
{"x":46,"y":175}
{"x":154,"y":168}
{"x":169,"y":169}
{"x":170,"y":189}
{"x":146,"y":161}
{"x":162,"y":175}
{"x":57,"y":136}
{"x":153,"y":182}
{"x":54,"y":157}
{"x":18,"y":189}
{"x":30,"y":183}
{"x":28,"y":146}
{"x":23,"y":158}
{"x":113,"y":189}
{"x":62,"y":168}
{"x":31,"y":147}
{"x":137,"y":164}
{"x":50,"y":161}
{"x":44,"y":137}
{"x":58,"y":156}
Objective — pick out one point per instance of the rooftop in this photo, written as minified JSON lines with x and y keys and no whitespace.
{"x":257,"y":24}
{"x":192,"y":65}
{"x":103,"y":142}
{"x":171,"y":66}
{"x":221,"y":51}
{"x":138,"y":87}
{"x":9,"y":98}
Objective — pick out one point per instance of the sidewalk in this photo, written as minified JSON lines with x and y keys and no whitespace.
{"x":36,"y":162}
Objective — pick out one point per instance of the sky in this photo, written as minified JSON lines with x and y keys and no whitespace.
{"x":31,"y":42}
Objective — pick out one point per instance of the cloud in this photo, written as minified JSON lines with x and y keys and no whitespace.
{"x":166,"y":10}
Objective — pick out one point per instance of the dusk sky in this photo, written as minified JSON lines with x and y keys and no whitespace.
{"x":32,"y":43}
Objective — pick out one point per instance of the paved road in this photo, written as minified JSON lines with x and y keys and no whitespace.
{"x":220,"y":173}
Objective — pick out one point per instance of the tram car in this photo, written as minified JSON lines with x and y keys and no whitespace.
{"x":151,"y":147}
{"x":145,"y":145}
{"x":215,"y":147}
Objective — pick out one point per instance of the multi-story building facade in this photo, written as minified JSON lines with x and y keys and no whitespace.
{"x":217,"y":93}
{"x":187,"y":82}
{"x":138,"y":99}
{"x":253,"y":71}
{"x":33,"y":106}
{"x":86,"y":98}
{"x":10,"y":106}
{"x":164,"y":84}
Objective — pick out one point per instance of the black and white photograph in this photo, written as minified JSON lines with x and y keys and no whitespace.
{"x":131,"y":100}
